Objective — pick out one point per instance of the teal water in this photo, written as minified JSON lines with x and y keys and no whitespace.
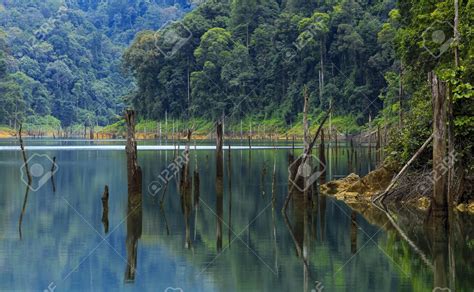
{"x":63,"y":245}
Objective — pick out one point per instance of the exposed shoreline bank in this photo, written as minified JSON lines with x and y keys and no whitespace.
{"x":355,"y":190}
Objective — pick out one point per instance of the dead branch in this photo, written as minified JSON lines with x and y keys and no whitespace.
{"x":402,"y":171}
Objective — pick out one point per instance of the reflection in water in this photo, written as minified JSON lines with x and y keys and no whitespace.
{"x":289,"y":247}
{"x":353,"y":232}
{"x":229,"y":179}
{"x":23,"y":209}
{"x":186,"y":195}
{"x":219,"y":187}
{"x":196,"y":185}
{"x":134,"y":232}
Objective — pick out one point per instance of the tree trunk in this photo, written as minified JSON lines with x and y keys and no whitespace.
{"x":439,"y":206}
{"x":133,"y":169}
{"x":456,"y":32}
{"x":305,"y":119}
{"x":219,"y":184}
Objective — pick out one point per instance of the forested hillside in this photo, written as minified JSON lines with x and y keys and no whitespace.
{"x":369,"y":59}
{"x":63,"y":58}
{"x":249,"y":57}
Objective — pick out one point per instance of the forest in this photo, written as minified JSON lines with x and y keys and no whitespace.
{"x":369,"y":59}
{"x":63,"y":58}
{"x":237,"y":145}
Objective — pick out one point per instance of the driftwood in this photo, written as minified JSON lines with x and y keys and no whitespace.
{"x":402,"y":171}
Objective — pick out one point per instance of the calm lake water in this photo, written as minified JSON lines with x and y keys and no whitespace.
{"x":61,"y":244}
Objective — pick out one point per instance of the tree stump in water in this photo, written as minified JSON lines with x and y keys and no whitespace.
{"x":134,"y":210}
{"x":134,"y":172}
{"x":439,"y":204}
{"x":219,"y":184}
{"x":105,"y":209}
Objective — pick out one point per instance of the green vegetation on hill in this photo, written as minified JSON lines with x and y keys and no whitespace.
{"x":63,"y":58}
{"x":252,"y":59}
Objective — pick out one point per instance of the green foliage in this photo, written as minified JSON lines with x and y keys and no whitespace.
{"x":42,"y":123}
{"x":252,"y":58}
{"x":416,"y":25}
{"x":66,"y":59}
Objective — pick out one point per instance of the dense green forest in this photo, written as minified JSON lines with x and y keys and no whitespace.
{"x":65,"y":64}
{"x":63,"y":59}
{"x":254,"y":58}
{"x":367,"y":58}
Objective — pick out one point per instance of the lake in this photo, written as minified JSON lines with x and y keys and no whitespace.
{"x":238,"y":240}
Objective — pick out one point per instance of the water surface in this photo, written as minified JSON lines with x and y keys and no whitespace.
{"x":235,"y":242}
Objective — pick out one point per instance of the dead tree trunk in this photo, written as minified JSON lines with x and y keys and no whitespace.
{"x":134,"y":210}
{"x":400,"y":98}
{"x":322,"y":158}
{"x":456,"y":32}
{"x":133,"y":169}
{"x":105,"y":209}
{"x":25,"y":159}
{"x":219,"y":186}
{"x":439,"y":205}
{"x":301,"y":160}
{"x":305,"y":120}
